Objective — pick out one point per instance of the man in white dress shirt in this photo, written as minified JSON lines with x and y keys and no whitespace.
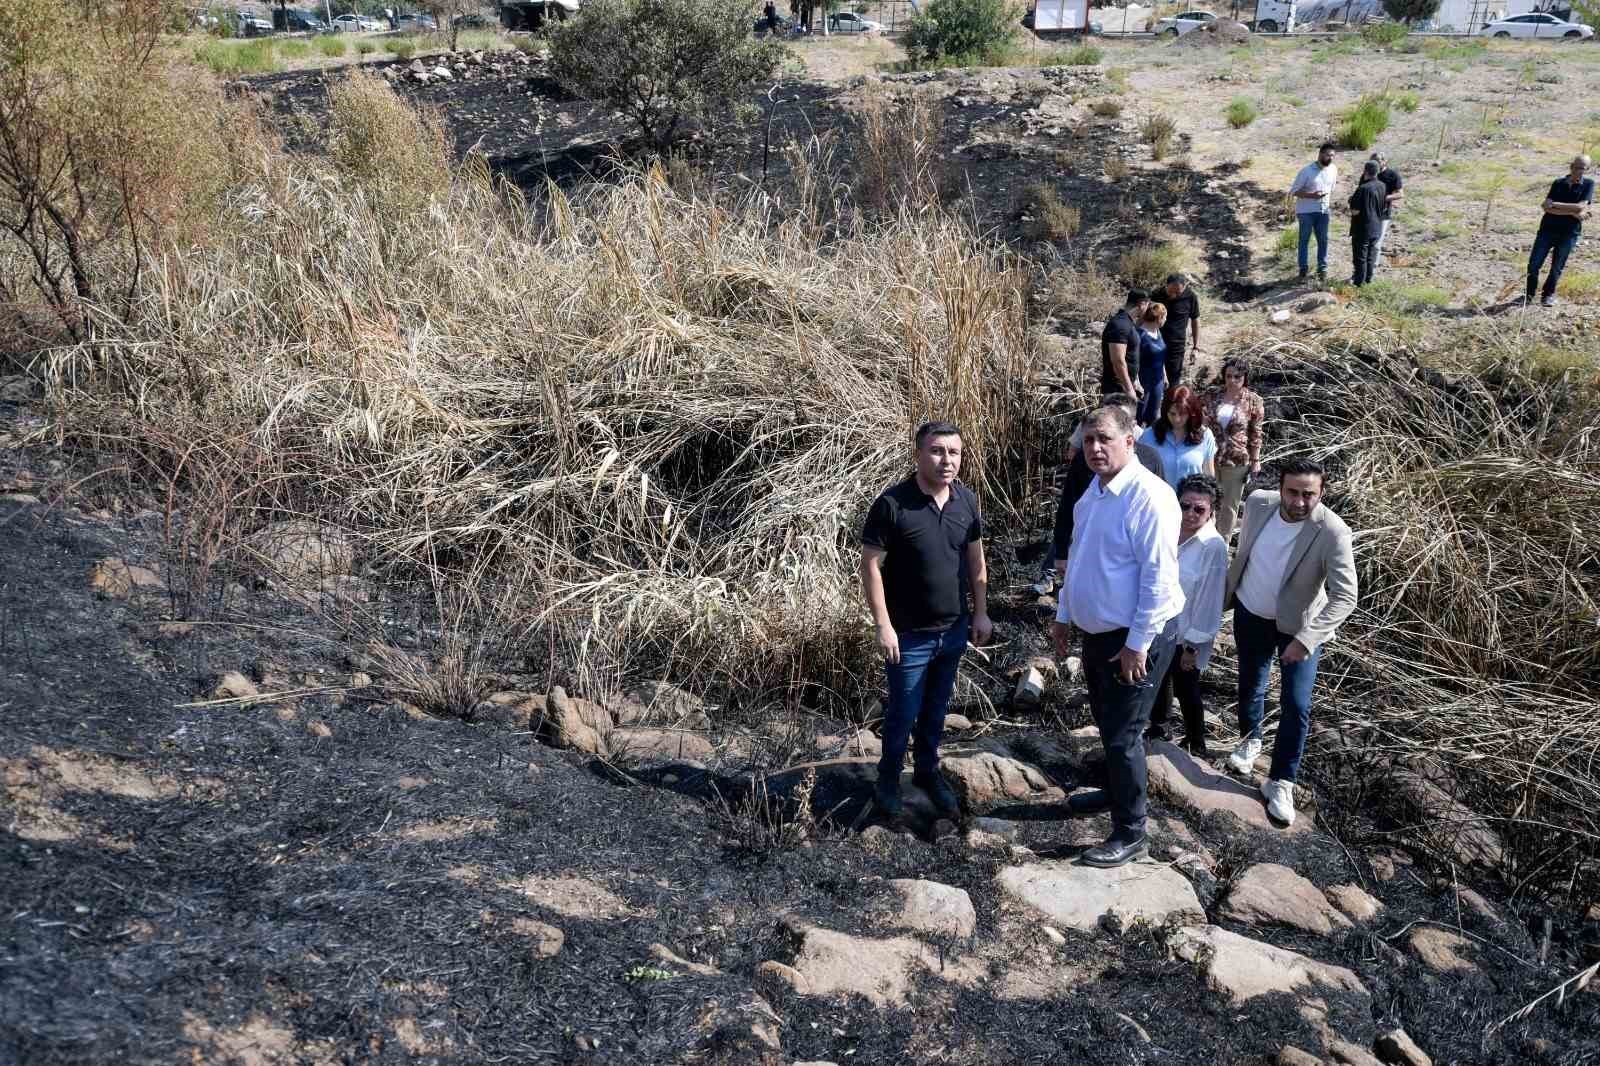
{"x":1122,"y":590}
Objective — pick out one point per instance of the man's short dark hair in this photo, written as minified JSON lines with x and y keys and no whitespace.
{"x":1117,"y":399}
{"x":1137,"y":296}
{"x":1205,"y":485}
{"x":1118,"y":416}
{"x":1327,"y":146}
{"x":1177,"y":279}
{"x":1296,"y":467}
{"x":935,"y":429}
{"x":1370,"y":170}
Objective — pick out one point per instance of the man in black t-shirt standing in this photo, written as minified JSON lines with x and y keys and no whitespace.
{"x":1366,"y":220}
{"x":1567,"y":205}
{"x":1119,"y":348}
{"x":921,"y":561}
{"x":1183,"y":319}
{"x":1394,"y":192}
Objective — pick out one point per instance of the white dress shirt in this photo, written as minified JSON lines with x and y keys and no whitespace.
{"x":1267,"y":566}
{"x":1203,"y":573}
{"x":1122,"y":571}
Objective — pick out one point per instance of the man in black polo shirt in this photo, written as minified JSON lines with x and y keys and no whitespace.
{"x":1564,"y":211}
{"x":1366,"y":221}
{"x":921,"y":558}
{"x":1119,"y":348}
{"x":1183,"y":318}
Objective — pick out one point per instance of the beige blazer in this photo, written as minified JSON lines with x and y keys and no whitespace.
{"x":1319,"y":585}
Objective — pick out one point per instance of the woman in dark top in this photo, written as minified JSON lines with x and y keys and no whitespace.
{"x":1152,"y":364}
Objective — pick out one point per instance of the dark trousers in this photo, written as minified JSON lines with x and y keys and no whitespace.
{"x":1175,"y":353}
{"x":1558,"y":248}
{"x":1121,"y":713}
{"x":1186,"y":684}
{"x":1364,"y":253}
{"x":920,"y":685}
{"x":1259,"y":643}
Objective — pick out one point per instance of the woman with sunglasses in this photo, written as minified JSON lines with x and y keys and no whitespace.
{"x":1203,"y":574}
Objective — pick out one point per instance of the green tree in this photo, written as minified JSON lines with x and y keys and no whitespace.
{"x":662,"y":62}
{"x":961,"y":30}
{"x":1411,"y":11}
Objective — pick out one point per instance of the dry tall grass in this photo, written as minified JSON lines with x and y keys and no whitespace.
{"x":661,"y":419}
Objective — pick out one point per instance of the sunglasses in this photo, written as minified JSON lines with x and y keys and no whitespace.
{"x":1196,"y":508}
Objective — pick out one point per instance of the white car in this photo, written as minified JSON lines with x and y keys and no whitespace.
{"x":356,"y":24}
{"x":850,"y":22}
{"x":1178,"y":25}
{"x":1536,"y":25}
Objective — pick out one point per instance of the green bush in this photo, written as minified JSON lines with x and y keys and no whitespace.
{"x":662,"y":62}
{"x":401,"y":47}
{"x":1409,"y":11}
{"x":365,"y":48}
{"x":1385,"y":34}
{"x":1144,"y":266}
{"x":1084,"y":55}
{"x":292,"y":49}
{"x":1406,"y":100}
{"x":1106,"y":107}
{"x":230,"y":58}
{"x":964,"y":31}
{"x":330,"y":46}
{"x":1241,"y":112}
{"x":1362,"y":124}
{"x":1159,"y":131}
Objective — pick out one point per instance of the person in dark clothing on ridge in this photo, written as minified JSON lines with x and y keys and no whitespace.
{"x":1183,"y":319}
{"x":1119,"y":348}
{"x":1366,"y":222}
{"x":1569,"y":202}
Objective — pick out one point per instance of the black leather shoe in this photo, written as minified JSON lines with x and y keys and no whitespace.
{"x":887,"y":796}
{"x":944,"y":798}
{"x":1116,"y":852}
{"x":1158,"y":732}
{"x":1199,"y":750}
{"x":1093,"y":801}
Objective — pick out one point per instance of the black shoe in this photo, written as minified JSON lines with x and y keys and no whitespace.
{"x":1199,"y":750}
{"x":1158,"y":732}
{"x":944,"y":798}
{"x":1115,"y":853}
{"x":1093,"y":801}
{"x":887,"y":796}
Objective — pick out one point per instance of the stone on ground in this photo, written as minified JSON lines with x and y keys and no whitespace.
{"x":1293,"y":1056}
{"x":1344,"y":1053}
{"x":1270,"y":894}
{"x":930,"y":907}
{"x":546,"y":939}
{"x":573,"y":723}
{"x":513,"y":711}
{"x":776,"y":979}
{"x":1440,"y":949}
{"x":1175,"y":775}
{"x":234,"y":685}
{"x":987,"y":778}
{"x":660,"y":703}
{"x":659,"y":745}
{"x":1447,"y":825}
{"x":1244,"y":968}
{"x":1398,"y":1049}
{"x":298,"y":548}
{"x":881,"y":971}
{"x":1079,"y":897}
{"x":119,"y":579}
{"x":1353,"y":902}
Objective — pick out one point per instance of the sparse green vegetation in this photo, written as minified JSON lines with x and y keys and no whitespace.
{"x":1050,"y":218}
{"x":1083,"y":55}
{"x":232,"y":58}
{"x":1241,"y":112}
{"x":1407,"y":100}
{"x":1363,"y":123}
{"x":1385,"y":34}
{"x":1402,"y":298}
{"x":294,"y":49}
{"x":1160,"y":132}
{"x":365,"y":48}
{"x":331,"y":46}
{"x":960,"y":32}
{"x":401,"y":47}
{"x":1580,"y":286}
{"x":1148,"y":265}
{"x":1106,"y":106}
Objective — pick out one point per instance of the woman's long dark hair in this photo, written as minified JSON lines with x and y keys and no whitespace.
{"x":1194,"y":432}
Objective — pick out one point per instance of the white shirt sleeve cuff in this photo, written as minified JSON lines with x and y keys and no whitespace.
{"x":1140,"y":640}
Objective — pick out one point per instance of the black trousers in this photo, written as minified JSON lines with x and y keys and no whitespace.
{"x":1175,"y":353}
{"x":1364,"y":253}
{"x":1121,"y":713}
{"x":1186,"y":684}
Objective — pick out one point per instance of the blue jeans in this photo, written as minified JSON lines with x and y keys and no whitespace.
{"x":1314,"y":223}
{"x":1558,"y":248}
{"x":1259,"y":643}
{"x":1122,"y":713}
{"x":1153,"y":376}
{"x":920,"y":685}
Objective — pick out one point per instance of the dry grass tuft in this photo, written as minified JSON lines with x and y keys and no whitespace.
{"x":898,"y":156}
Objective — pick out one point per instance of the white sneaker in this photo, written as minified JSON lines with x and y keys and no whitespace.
{"x":1044,"y":586}
{"x":1243,"y":759}
{"x":1280,"y":799}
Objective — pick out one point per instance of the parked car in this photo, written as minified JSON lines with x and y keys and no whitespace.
{"x":1187,"y":22}
{"x":1536,"y":25}
{"x":357,"y":24}
{"x":417,"y":23}
{"x":303,"y":22}
{"x":253,"y":26}
{"x":850,"y":22}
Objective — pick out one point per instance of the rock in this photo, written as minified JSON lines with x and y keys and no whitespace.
{"x":1056,"y":937}
{"x":1030,"y":688}
{"x":1279,"y":317}
{"x":930,"y":907}
{"x":1398,"y":1049}
{"x":878,"y":970}
{"x":666,"y":745}
{"x":1353,"y":902}
{"x":319,"y":730}
{"x":863,"y":742}
{"x":1445,"y":823}
{"x":1344,"y":1053}
{"x":1474,"y":902}
{"x":1244,"y":968}
{"x":299,"y":548}
{"x":661,"y":703}
{"x":1074,"y":666}
{"x":1270,"y":894}
{"x":547,"y":940}
{"x":999,"y":827}
{"x":1293,"y":1056}
{"x":442,"y":73}
{"x":417,"y":67}
{"x":1176,"y":775}
{"x":742,"y":1029}
{"x":233,"y":685}
{"x":1440,"y":949}
{"x":776,"y":979}
{"x":119,"y":579}
{"x":1316,"y":301}
{"x":958,"y":723}
{"x":513,"y":711}
{"x":575,"y":724}
{"x":978,"y":840}
{"x":1078,"y":897}
{"x":988,"y":778}
{"x":1385,"y":867}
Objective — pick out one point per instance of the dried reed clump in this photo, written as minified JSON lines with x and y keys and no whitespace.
{"x":1476,"y":646}
{"x":899,"y":160}
{"x":399,"y":153}
{"x":663,"y":418}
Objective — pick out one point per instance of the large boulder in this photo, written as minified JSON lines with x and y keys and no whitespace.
{"x":1176,"y":776}
{"x":880,"y":971}
{"x":660,"y":703}
{"x":299,"y":548}
{"x":1442,"y":950}
{"x":579,"y":725}
{"x":1270,"y":894}
{"x":1444,"y":823}
{"x":659,"y":745}
{"x":929,"y":907}
{"x":1243,"y":969}
{"x":987,"y":778}
{"x":1081,"y":897}
{"x":1396,"y":1048}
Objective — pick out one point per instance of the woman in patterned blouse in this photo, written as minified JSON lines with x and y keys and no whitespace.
{"x":1235,"y":415}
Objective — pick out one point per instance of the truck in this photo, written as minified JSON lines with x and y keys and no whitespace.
{"x":1059,"y":16}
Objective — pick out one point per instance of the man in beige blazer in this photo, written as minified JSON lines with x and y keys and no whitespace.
{"x":1292,"y":583}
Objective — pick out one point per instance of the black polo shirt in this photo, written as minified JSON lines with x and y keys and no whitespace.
{"x":1391,"y":184}
{"x":925,"y":577}
{"x":1181,"y":310}
{"x":1366,"y":210}
{"x":1563,"y":191}
{"x":1119,"y":329}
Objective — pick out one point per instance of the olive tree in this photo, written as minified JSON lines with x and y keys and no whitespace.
{"x":662,"y":62}
{"x":1411,"y":11}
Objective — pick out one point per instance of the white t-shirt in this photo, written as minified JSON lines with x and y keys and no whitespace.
{"x":1313,"y":178}
{"x":1225,"y":413}
{"x":1264,"y":573}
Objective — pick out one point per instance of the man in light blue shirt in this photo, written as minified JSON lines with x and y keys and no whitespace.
{"x":1122,"y":589}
